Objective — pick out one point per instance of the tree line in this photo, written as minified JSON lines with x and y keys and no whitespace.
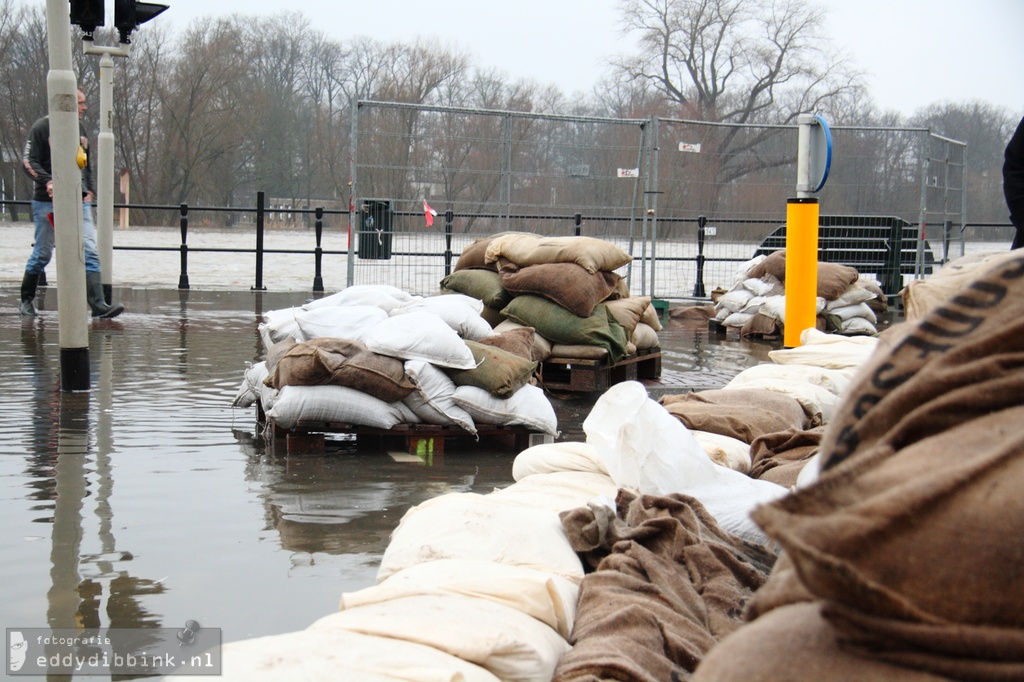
{"x":233,"y":105}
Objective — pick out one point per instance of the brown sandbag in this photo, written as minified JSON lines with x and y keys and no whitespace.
{"x":833,"y":279}
{"x":518,"y":341}
{"x":669,"y":584}
{"x":912,"y":533}
{"x":742,"y":413}
{"x":795,"y":643}
{"x":567,"y":284}
{"x":780,"y":457}
{"x":341,"y":362}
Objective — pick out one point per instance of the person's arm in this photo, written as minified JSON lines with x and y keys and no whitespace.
{"x":36,"y":158}
{"x":88,"y":189}
{"x":1013,"y":176}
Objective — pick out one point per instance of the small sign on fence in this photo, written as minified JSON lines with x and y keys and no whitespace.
{"x":693,"y":147}
{"x":629,"y":172}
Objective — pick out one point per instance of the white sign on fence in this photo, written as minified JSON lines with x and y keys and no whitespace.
{"x":629,"y":172}
{"x":690,"y":147}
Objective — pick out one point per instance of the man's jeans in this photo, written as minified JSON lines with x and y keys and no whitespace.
{"x":42,"y":251}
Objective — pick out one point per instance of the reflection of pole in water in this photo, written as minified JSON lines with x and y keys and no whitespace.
{"x":70,"y":473}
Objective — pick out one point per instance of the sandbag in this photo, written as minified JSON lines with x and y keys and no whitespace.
{"x":419,"y":335}
{"x":383,"y":296}
{"x":725,"y":451}
{"x":740,"y":413}
{"x":558,"y":491}
{"x":781,"y":457}
{"x":924,"y":295}
{"x":460,"y":312}
{"x":569,"y":285}
{"x":472,"y":526}
{"x":834,"y":380}
{"x":629,"y":311}
{"x":340,"y":322}
{"x":482,"y":284}
{"x":527,"y":407}
{"x":555,"y":457}
{"x":525,"y":249}
{"x":323,"y":654}
{"x":541,"y":349}
{"x":826,"y":350}
{"x":278,"y":325}
{"x":473,"y":256}
{"x":432,"y":401}
{"x":558,"y":325}
{"x":549,"y":598}
{"x":645,"y":337}
{"x":337,"y":404}
{"x":518,"y":341}
{"x":497,"y":371}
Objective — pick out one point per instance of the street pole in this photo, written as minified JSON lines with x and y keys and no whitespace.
{"x":105,"y":164}
{"x":62,"y":101}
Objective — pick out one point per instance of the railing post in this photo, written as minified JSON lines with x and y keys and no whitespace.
{"x":449,"y":216}
{"x":318,"y":280}
{"x":183,"y":275}
{"x":260,"y":216}
{"x":698,"y":285}
{"x":579,"y":220}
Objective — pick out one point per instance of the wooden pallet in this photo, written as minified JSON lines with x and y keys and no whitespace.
{"x":420,"y":440}
{"x":577,"y":375}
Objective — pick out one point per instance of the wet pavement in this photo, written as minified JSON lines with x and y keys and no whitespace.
{"x":149,"y":501}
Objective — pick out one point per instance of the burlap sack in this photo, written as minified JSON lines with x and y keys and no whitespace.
{"x":567,"y":284}
{"x":526,"y":249}
{"x":497,"y":371}
{"x":739,"y":413}
{"x":669,"y":583}
{"x":558,"y":325}
{"x":920,"y":296}
{"x":833,"y":279}
{"x":911,"y":534}
{"x":518,"y":341}
{"x":341,"y":362}
{"x":780,"y":457}
{"x":482,"y":284}
{"x":629,"y":311}
{"x":472,"y":257}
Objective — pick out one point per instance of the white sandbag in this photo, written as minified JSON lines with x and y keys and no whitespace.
{"x":858,"y":325}
{"x":834,"y":380}
{"x":737,"y":319}
{"x":826,"y":350}
{"x":815,"y":399}
{"x":323,"y":654}
{"x":549,"y":598}
{"x":853,"y":295}
{"x":764,"y":286}
{"x":735,"y":300}
{"x":647,"y":449}
{"x":338,"y":404}
{"x":549,"y":458}
{"x":383,"y":296}
{"x":559,"y":491}
{"x":742,"y":271}
{"x":432,"y":400}
{"x":506,"y":642}
{"x":810,"y":472}
{"x":279,"y":325}
{"x":753,"y":305}
{"x":848,"y":312}
{"x":726,"y":451}
{"x":460,"y":312}
{"x":775,"y":308}
{"x":338,"y":322}
{"x":528,"y":407}
{"x":472,"y":526}
{"x":248,"y":392}
{"x":419,"y":336}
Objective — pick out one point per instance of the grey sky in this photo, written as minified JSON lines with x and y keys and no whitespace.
{"x":915,"y":52}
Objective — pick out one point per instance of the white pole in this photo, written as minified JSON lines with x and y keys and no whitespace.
{"x":105,"y":174}
{"x":62,"y":100}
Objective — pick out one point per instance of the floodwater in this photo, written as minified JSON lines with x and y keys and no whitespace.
{"x":149,"y":501}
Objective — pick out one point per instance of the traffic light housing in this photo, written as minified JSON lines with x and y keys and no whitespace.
{"x":87,"y":15}
{"x":128,"y":14}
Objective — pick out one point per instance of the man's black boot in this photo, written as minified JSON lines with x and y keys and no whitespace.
{"x":97,"y":302}
{"x":28,"y":294}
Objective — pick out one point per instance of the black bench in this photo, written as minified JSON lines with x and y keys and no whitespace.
{"x":883,"y":246}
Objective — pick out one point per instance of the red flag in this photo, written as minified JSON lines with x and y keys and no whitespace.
{"x":428,"y":213}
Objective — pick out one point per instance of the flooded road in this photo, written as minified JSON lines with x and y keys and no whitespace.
{"x":150,"y":501}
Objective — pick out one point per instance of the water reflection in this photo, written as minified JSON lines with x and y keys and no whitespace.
{"x":149,"y":501}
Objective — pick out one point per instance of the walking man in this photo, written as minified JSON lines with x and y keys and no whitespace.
{"x":36,"y":163}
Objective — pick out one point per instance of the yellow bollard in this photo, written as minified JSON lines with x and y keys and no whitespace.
{"x":801,"y":268}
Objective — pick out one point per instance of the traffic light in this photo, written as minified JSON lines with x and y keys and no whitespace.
{"x":128,"y":14}
{"x":87,"y":14}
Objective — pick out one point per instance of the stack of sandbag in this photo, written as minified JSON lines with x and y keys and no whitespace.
{"x":373,"y":355}
{"x":471,"y":587}
{"x":846,"y":302}
{"x":920,"y":296}
{"x":566,"y":288}
{"x":900,"y":562}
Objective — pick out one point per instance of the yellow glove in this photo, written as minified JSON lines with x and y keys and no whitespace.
{"x":81,"y":158}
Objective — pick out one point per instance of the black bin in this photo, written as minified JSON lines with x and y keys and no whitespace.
{"x":375,"y":229}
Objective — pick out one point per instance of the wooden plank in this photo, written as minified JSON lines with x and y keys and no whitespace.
{"x":576,"y":375}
